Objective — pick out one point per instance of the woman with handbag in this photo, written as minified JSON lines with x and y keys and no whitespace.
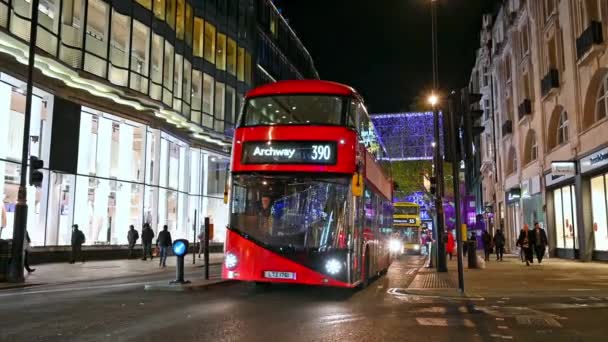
{"x":526,"y":243}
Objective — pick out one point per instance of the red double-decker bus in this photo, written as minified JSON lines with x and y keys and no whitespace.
{"x":309,"y":203}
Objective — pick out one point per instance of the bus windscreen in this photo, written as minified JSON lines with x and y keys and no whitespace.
{"x":294,"y":110}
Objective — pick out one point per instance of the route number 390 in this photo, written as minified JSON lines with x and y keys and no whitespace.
{"x":321,"y":152}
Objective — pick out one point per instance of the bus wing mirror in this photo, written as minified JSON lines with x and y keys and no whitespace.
{"x":357,"y":185}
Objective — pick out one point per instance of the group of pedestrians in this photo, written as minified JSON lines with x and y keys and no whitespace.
{"x":532,"y":242}
{"x":492,"y":244}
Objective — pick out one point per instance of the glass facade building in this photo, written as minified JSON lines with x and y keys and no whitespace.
{"x":153,"y":88}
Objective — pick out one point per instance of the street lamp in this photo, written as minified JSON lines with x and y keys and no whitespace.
{"x":433,"y":100}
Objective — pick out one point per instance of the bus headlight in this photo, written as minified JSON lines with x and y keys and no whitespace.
{"x":394,"y":245}
{"x":416,"y":247}
{"x":230,"y":261}
{"x":333,"y":266}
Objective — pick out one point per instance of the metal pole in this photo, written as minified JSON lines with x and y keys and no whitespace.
{"x":441,"y":257}
{"x":456,"y":183}
{"x":207,"y":247}
{"x":194,"y":240}
{"x":20,"y":224}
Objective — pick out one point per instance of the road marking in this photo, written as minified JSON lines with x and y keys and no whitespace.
{"x":445,"y":322}
{"x":503,"y":327}
{"x":341,"y":318}
{"x":24,"y":293}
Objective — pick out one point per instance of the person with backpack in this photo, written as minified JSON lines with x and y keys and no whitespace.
{"x":147,"y":235}
{"x":78,"y":240}
{"x":164,"y":242}
{"x":132,"y":237}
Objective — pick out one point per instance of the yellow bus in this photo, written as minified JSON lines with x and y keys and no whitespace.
{"x":407,"y":225}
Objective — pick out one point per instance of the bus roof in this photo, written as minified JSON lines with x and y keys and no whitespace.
{"x":405,"y":204}
{"x":303,"y":87}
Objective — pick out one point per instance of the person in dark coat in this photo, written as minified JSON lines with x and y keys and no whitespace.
{"x":487,"y":244}
{"x":525,"y":241}
{"x":147,"y":235}
{"x":499,"y":244}
{"x":539,"y":242}
{"x":26,"y":252}
{"x":78,"y":240}
{"x":132,"y":237}
{"x":164,"y":242}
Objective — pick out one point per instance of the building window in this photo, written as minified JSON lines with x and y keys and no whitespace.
{"x":156,"y":69}
{"x":602,"y":101}
{"x":565,"y":217}
{"x":220,"y":61}
{"x":230,"y":105}
{"x":119,"y":49}
{"x":599,"y":200}
{"x":220,"y":106}
{"x":525,"y":42}
{"x":549,"y":8}
{"x":180,"y":19}
{"x":168,"y":74}
{"x":248,"y":70}
{"x":199,"y":26}
{"x":189,"y":24}
{"x":209,"y":43}
{"x":512,"y":161}
{"x":531,"y":146}
{"x":208,"y":96}
{"x":197,"y":96}
{"x":231,"y":59}
{"x":171,"y":13}
{"x":146,"y":3}
{"x":159,"y":9}
{"x":240,"y":69}
{"x":97,"y":38}
{"x":508,"y":68}
{"x":177,"y":82}
{"x":562,"y":128}
{"x":140,"y":57}
{"x":187,"y":86}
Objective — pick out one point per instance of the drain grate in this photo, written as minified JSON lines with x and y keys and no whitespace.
{"x":431,"y":281}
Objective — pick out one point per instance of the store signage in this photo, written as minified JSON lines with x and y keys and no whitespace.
{"x":563,"y":168}
{"x":514,"y":195}
{"x":290,"y":152}
{"x":594,"y":161}
{"x":404,"y":221}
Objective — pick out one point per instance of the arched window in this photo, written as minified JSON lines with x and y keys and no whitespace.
{"x":531,"y":147}
{"x":562,"y":128}
{"x":512,"y":161}
{"x":601,"y":107}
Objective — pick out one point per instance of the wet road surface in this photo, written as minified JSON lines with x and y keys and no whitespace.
{"x":119,"y":310}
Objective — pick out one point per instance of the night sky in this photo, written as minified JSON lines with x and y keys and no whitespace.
{"x":383,"y":47}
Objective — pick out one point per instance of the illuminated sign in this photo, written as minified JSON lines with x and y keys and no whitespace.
{"x":405,"y":221}
{"x":563,"y":168}
{"x":514,"y":195}
{"x":594,"y":161}
{"x":290,"y":152}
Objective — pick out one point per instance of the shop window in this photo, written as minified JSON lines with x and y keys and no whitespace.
{"x":248,"y":70}
{"x":197,"y":96}
{"x":602,"y":101}
{"x":562,"y":128}
{"x":208,"y":94}
{"x":119,"y":49}
{"x":146,"y":3}
{"x":168,"y":74}
{"x":525,"y":42}
{"x":159,"y":9}
{"x":209,"y":43}
{"x":140,"y":57}
{"x":189,"y":24}
{"x":199,"y":26}
{"x":220,"y":106}
{"x":156,"y":69}
{"x":71,"y":32}
{"x":231,"y":56}
{"x":171,"y":13}
{"x":240,"y":69}
{"x":220,"y":61}
{"x":180,"y":19}
{"x":97,"y":38}
{"x":600,"y":221}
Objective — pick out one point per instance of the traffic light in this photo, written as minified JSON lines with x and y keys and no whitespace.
{"x":36,"y":175}
{"x":433,"y":188}
{"x":470,"y":106}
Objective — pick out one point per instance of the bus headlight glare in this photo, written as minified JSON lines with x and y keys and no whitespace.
{"x":333,"y":266}
{"x":417,"y":247}
{"x":231,"y":261}
{"x":394,"y":245}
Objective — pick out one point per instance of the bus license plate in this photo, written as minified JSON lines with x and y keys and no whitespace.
{"x":279,"y":275}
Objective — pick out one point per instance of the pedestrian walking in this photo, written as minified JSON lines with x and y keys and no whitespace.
{"x":499,"y":244}
{"x":147,"y":235}
{"x":26,"y":253}
{"x":78,"y":239}
{"x":486,"y":238}
{"x":201,"y":242}
{"x":525,"y":243}
{"x":164,"y":242}
{"x":539,"y":242}
{"x":132,"y":237}
{"x":449,"y":246}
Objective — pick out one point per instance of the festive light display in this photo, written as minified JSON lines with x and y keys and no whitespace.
{"x":406,"y":136}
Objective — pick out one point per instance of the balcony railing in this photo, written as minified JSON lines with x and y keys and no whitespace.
{"x":593,"y":35}
{"x":550,"y":82}
{"x":525,"y":108}
{"x":507,"y":128}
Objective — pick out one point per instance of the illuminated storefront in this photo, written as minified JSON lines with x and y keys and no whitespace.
{"x":594,"y":169}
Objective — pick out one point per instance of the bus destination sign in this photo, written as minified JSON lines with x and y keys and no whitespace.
{"x":289,"y":152}
{"x":405,"y":221}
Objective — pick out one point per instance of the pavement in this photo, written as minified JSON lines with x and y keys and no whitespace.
{"x":65,"y":273}
{"x":119,"y":309}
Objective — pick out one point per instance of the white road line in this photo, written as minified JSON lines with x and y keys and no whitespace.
{"x":24,"y":293}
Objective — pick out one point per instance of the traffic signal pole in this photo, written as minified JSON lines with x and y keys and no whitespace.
{"x":15,"y":274}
